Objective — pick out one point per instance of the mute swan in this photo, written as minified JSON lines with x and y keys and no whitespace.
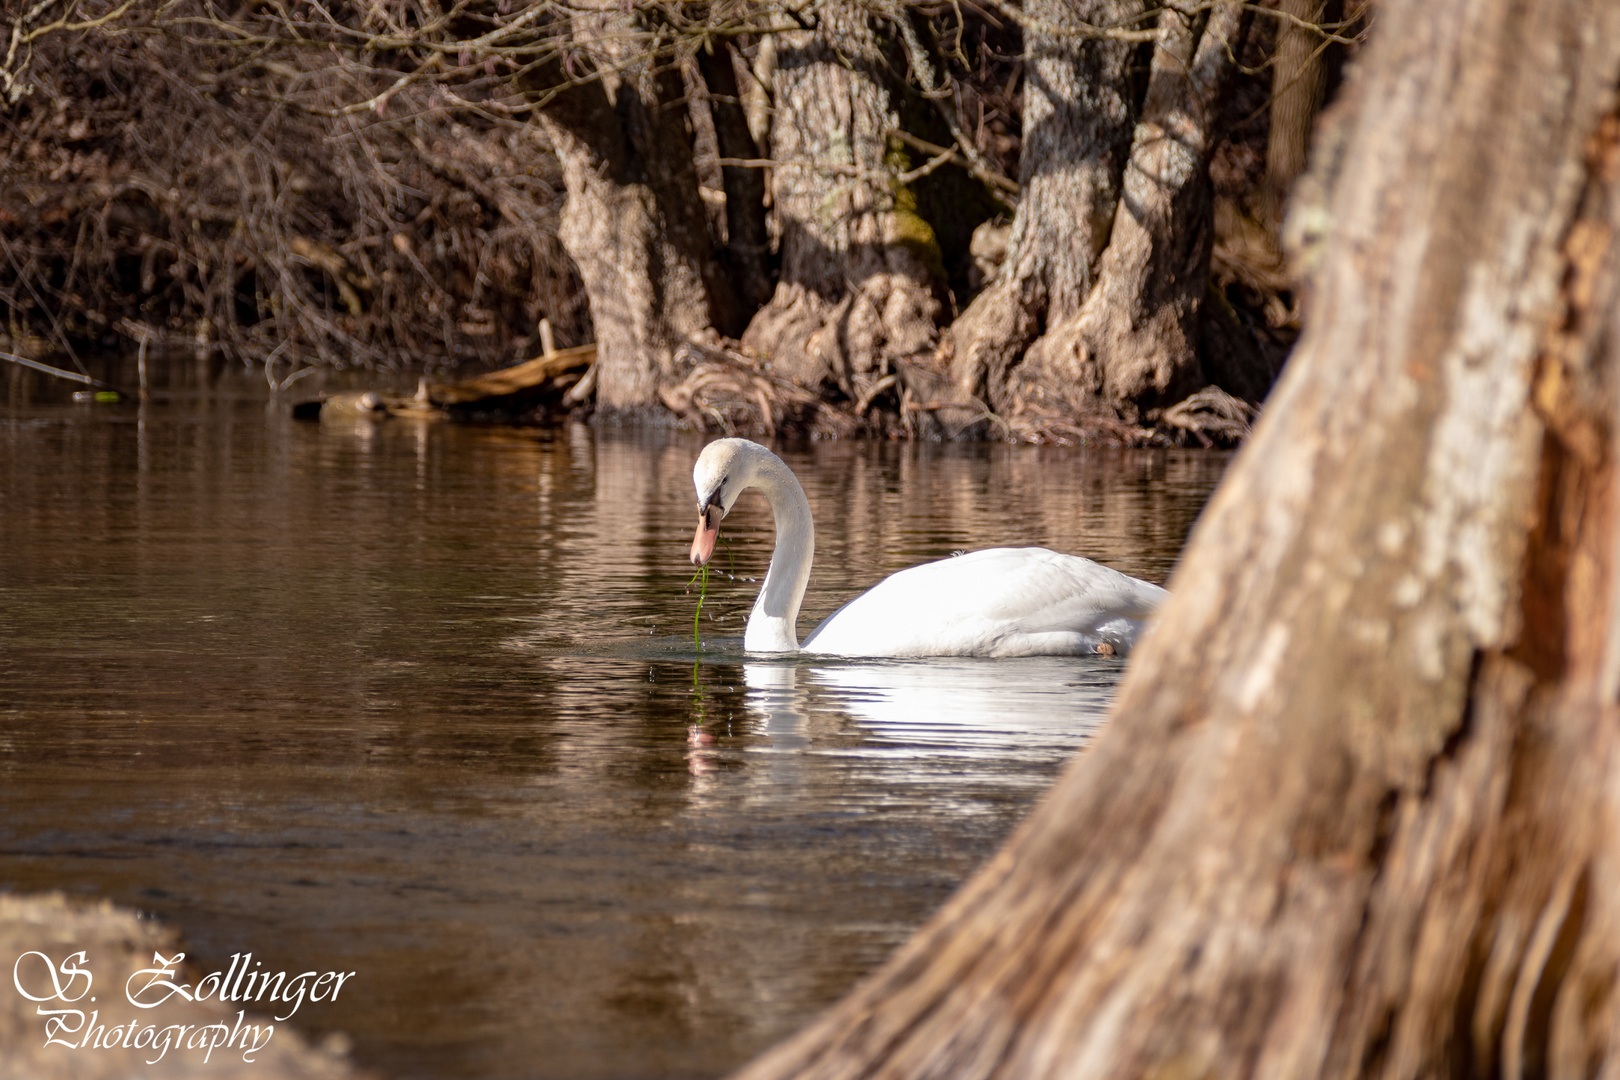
{"x":996,"y":602}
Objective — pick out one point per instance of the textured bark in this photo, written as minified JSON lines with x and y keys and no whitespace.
{"x":1134,"y":345}
{"x":634,"y":222}
{"x":1078,"y":120}
{"x":1358,"y":813}
{"x":859,"y":266}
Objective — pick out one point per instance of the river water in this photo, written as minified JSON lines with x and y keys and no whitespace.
{"x":421,"y":701}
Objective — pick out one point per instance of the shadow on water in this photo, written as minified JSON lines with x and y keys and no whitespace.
{"x":421,"y":702}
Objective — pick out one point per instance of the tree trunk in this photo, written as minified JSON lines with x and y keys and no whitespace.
{"x":1134,"y":344}
{"x":1078,"y":119}
{"x":634,"y":222}
{"x":859,"y":267}
{"x":1357,"y":814}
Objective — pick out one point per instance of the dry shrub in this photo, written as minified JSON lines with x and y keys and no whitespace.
{"x":159,"y":184}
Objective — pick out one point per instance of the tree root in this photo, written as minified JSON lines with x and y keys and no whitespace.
{"x":731,"y":393}
{"x":728,"y":392}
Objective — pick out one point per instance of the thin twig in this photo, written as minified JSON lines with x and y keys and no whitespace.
{"x":58,"y":372}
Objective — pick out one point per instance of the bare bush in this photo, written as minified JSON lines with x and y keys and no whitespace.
{"x":163,"y":185}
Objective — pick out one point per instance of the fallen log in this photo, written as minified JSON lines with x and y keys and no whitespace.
{"x":544,"y":382}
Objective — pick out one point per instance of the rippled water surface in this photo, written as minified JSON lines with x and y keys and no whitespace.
{"x":421,"y":701}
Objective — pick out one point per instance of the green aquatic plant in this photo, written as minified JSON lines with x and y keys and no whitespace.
{"x":702,"y":578}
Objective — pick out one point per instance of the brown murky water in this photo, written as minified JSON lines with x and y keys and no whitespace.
{"x":422,"y":702}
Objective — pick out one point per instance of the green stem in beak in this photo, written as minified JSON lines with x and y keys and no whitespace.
{"x":703,"y":587}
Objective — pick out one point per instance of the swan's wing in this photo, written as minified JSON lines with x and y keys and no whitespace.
{"x":998,"y":602}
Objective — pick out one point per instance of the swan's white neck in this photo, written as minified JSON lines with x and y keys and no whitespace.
{"x":772,"y":625}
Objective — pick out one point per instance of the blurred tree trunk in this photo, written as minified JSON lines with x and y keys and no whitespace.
{"x":859,"y":266}
{"x":634,"y":222}
{"x":1358,"y":812}
{"x":1298,"y":82}
{"x":1096,"y":313}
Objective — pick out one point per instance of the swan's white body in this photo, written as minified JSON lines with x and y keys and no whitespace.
{"x":997,"y":602}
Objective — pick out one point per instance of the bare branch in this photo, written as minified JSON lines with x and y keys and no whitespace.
{"x":989,"y":174}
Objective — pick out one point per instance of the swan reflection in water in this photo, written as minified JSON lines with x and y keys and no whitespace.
{"x":1035,"y":704}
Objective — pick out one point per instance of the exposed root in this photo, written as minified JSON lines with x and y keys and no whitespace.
{"x":1211,"y":417}
{"x":728,"y":392}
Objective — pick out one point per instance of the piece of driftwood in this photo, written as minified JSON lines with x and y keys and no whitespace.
{"x":545,"y":380}
{"x":555,"y":371}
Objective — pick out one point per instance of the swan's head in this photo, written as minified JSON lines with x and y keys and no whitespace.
{"x":725,"y":467}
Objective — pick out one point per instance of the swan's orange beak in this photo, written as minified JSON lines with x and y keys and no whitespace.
{"x":708,"y":531}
